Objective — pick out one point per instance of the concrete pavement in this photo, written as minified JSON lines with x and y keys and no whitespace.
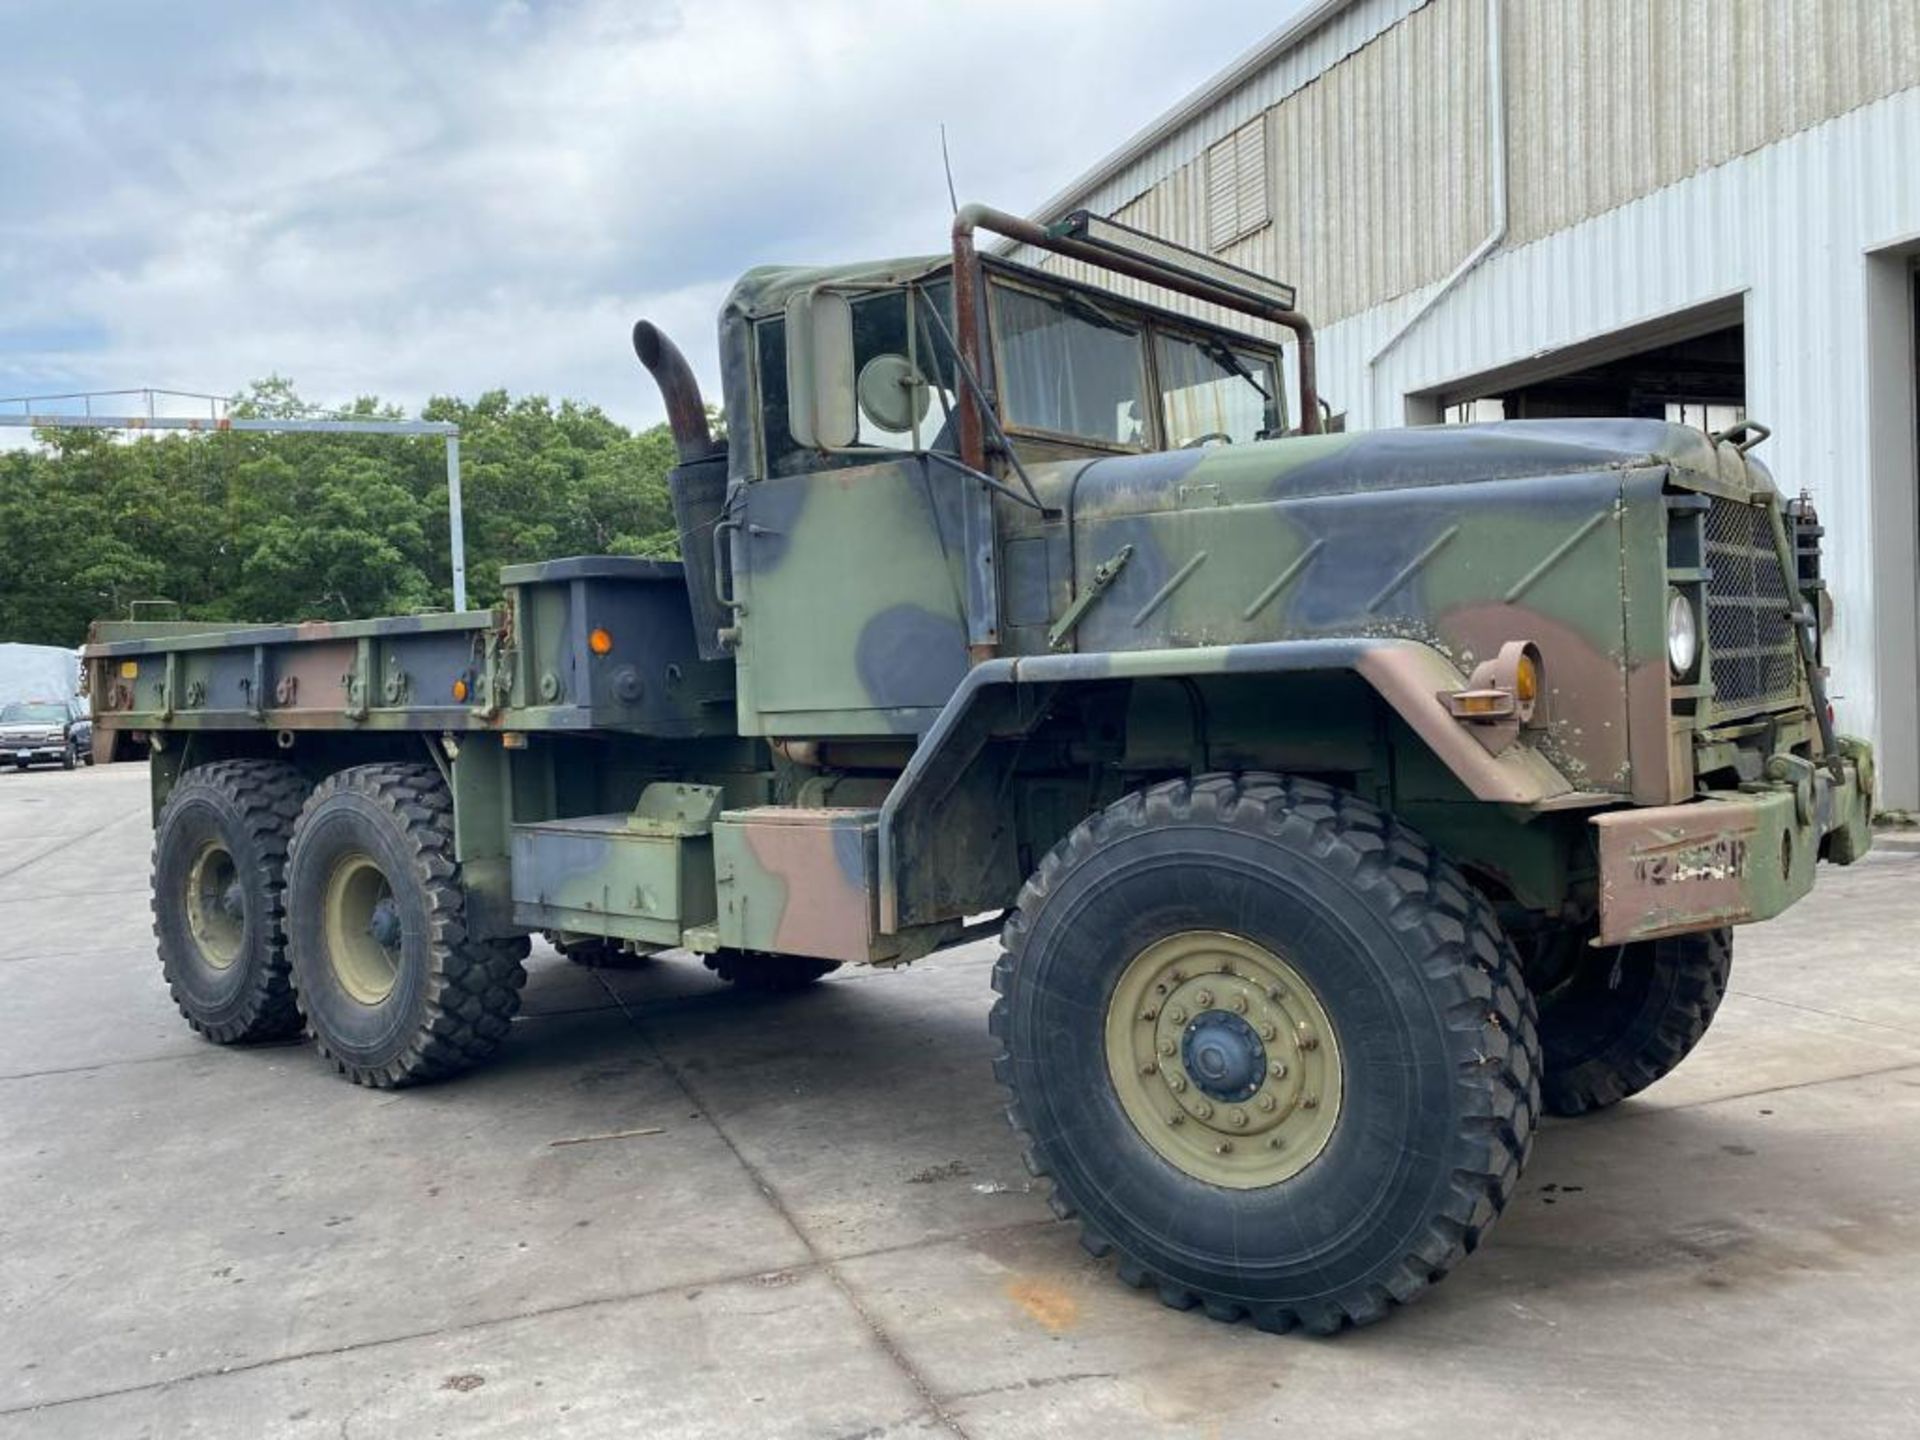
{"x":831,"y":1234}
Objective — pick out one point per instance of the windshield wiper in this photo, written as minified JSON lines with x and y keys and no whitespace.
{"x":1082,"y":308}
{"x":1221,"y":351}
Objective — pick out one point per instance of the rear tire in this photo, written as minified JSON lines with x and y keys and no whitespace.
{"x":393,"y":988}
{"x":595,"y":952}
{"x":1627,"y":1016}
{"x":768,"y":974}
{"x":70,"y":759}
{"x":1397,"y":1068}
{"x":219,"y":886}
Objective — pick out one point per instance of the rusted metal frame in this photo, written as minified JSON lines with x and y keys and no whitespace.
{"x":977,"y":466}
{"x":969,"y":292}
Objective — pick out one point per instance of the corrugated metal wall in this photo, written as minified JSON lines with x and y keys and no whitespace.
{"x":1610,"y":99}
{"x":1378,"y":161}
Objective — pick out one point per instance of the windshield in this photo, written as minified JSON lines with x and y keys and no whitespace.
{"x":1209,"y":391}
{"x":1069,"y":368}
{"x":23,"y":712}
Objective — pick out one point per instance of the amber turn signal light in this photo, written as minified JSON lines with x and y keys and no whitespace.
{"x":599,"y":641}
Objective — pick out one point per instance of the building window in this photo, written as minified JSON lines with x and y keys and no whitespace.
{"x":1237,"y":185}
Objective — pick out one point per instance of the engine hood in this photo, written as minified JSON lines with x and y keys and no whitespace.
{"x":1423,"y":458}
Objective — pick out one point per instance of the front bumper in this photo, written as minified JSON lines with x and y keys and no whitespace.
{"x":13,"y":754}
{"x":1725,"y":860}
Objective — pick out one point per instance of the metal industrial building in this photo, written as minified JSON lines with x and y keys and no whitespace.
{"x":1704,"y":209}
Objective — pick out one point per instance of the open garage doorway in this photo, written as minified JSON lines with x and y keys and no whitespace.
{"x":1689,"y":367}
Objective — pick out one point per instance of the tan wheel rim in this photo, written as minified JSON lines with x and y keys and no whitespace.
{"x":1224,"y":1059}
{"x":361,"y":923}
{"x":216,"y":911}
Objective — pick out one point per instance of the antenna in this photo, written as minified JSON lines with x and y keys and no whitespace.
{"x":947,"y":161}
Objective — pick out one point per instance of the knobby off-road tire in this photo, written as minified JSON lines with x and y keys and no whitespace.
{"x":393,"y":988}
{"x":219,"y":883}
{"x":1369,"y":1198}
{"x":1627,"y":1016}
{"x":768,"y":974}
{"x":595,"y":953}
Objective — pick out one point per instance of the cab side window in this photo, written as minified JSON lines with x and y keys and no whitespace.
{"x":880,"y":329}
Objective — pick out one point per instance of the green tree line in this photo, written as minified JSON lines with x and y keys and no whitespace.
{"x":256,"y":526}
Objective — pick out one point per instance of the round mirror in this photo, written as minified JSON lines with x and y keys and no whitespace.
{"x":892,"y":395}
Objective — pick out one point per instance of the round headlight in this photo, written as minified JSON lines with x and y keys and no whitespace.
{"x":1683,"y":634}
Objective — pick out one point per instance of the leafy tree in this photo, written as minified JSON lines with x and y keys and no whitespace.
{"x":261,"y":526}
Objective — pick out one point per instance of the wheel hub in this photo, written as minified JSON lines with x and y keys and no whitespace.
{"x":384,"y":926}
{"x":362,"y":927}
{"x":1224,"y":1058}
{"x":216,"y":906}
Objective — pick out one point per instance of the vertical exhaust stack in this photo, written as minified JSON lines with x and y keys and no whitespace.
{"x":697,"y":485}
{"x":686,"y":411}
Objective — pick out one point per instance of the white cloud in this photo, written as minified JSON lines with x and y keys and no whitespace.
{"x":411,"y":199}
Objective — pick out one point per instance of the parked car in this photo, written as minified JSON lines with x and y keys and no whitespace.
{"x":59,"y":730}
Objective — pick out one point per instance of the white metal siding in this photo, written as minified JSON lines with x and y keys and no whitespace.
{"x":1343,"y":34}
{"x":1786,"y":227}
{"x":1610,"y":99}
{"x":1376,"y":125}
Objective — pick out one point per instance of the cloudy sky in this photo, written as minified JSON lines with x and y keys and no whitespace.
{"x":418,"y":197}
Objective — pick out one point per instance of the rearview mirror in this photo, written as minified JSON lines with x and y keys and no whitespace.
{"x":820,"y":390}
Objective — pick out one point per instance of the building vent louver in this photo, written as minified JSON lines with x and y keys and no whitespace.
{"x":1237,"y":185}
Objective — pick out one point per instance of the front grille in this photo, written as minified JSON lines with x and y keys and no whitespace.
{"x":1749,"y":633}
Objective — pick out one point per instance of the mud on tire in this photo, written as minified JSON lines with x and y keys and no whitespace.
{"x":1440,"y":1057}
{"x":219,"y":881}
{"x":393,"y":988}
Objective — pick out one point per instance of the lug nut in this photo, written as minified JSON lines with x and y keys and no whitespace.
{"x":1275,"y":1143}
{"x":1267,"y":1032}
{"x":1310,"y":1102}
{"x":1203,"y":999}
{"x":1238,"y":1119}
{"x":1177,"y":1015}
{"x":1166,"y":1047}
{"x":1203,"y":1110}
{"x":1309,"y":1040}
{"x":1225,"y":1147}
{"x":1150,"y":1013}
{"x":1178,"y":1082}
{"x":1279,"y":1070}
{"x":1240,"y":1004}
{"x":1176,"y":1118}
{"x":1267,"y":1102}
{"x":1149,"y":1068}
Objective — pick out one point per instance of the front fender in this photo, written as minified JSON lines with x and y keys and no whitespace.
{"x":1005,"y":697}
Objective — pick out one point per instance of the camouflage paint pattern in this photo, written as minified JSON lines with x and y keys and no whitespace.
{"x":799,"y":882}
{"x":647,"y":876}
{"x":1399,"y":559}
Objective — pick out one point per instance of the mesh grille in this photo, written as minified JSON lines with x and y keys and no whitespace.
{"x":1748,"y":629}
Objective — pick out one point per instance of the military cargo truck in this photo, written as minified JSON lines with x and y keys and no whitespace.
{"x":1341,"y":800}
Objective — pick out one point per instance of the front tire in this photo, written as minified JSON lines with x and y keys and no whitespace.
{"x":219,"y":882}
{"x":1627,"y":1015}
{"x":393,"y":988}
{"x":1271,"y":910}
